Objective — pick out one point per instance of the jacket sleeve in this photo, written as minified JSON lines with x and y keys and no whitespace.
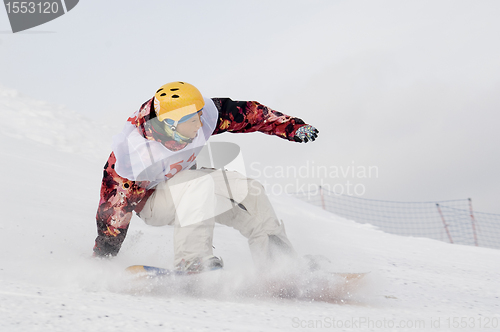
{"x":119,"y":198}
{"x":251,"y":116}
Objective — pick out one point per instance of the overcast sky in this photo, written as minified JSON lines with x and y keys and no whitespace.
{"x":408,"y":87}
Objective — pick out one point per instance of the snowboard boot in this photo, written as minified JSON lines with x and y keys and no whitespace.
{"x":199,"y":265}
{"x":313,"y":263}
{"x":278,"y":247}
{"x":281,"y":256}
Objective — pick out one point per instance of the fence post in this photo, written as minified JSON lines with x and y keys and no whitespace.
{"x":444,"y":223}
{"x":322,"y":197}
{"x":473,"y":220}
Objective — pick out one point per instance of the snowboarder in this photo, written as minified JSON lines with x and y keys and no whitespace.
{"x":152,"y":171}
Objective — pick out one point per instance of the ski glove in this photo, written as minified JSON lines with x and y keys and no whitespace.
{"x":305,"y":134}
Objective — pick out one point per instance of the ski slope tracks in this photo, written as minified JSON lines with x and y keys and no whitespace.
{"x":52,"y":161}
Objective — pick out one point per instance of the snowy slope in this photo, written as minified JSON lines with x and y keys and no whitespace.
{"x":51,"y":164}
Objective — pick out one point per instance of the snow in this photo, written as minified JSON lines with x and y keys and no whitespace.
{"x":52,"y":161}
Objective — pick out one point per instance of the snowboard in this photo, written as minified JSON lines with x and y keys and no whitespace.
{"x":158,"y":272}
{"x":333,"y":287}
{"x":152,"y":280}
{"x":146,"y":271}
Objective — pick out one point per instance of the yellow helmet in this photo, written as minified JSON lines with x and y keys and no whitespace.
{"x":176,"y":100}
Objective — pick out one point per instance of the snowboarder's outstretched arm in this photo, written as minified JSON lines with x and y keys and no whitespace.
{"x":251,"y":116}
{"x":119,"y":198}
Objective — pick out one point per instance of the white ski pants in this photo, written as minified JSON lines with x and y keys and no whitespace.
{"x":193,"y":200}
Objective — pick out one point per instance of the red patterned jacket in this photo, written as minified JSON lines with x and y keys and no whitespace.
{"x":120,"y":196}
